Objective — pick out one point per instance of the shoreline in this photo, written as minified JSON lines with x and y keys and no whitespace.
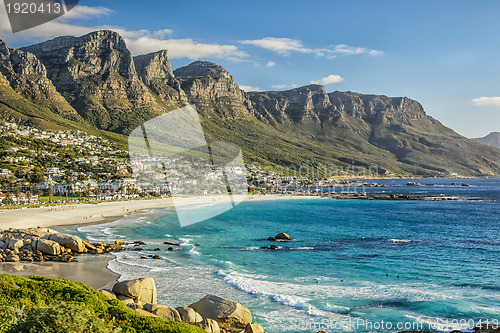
{"x":82,"y":214}
{"x":94,"y":272}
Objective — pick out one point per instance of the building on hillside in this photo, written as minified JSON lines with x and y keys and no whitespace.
{"x":46,"y":185}
{"x":53,"y":171}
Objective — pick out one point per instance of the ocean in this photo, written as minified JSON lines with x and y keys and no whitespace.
{"x":353,"y":266}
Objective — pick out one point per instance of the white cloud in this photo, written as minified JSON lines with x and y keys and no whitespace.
{"x":285,"y":86}
{"x":285,"y":46}
{"x":271,"y":64}
{"x":139,"y":41}
{"x":486,"y":101}
{"x":86,"y":12}
{"x":375,"y":52}
{"x":332,"y":78}
{"x":184,"y":48}
{"x":250,"y":88}
{"x":280,"y":45}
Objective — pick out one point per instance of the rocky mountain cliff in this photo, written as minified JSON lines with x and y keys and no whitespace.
{"x":93,"y":81}
{"x":492,"y":139}
{"x":97,"y":75}
{"x":155,"y":71}
{"x":214,"y":91}
{"x":27,"y":76}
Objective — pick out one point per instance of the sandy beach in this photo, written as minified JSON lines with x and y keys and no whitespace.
{"x":93,"y":272}
{"x":108,"y":211}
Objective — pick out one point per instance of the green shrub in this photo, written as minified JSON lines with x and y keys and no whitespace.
{"x":42,"y":297}
{"x":8,"y":315}
{"x":61,"y":318}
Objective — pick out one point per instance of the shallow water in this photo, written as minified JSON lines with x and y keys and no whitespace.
{"x":352,"y":263}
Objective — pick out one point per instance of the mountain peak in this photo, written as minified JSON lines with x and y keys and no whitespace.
{"x":492,"y":139}
{"x":201,"y":68}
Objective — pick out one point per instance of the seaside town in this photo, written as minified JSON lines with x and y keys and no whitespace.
{"x":40,"y":167}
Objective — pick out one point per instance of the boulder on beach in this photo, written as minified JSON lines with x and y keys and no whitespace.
{"x":108,"y":293}
{"x":46,"y":246}
{"x":283,"y":236}
{"x":125,"y":300}
{"x":208,"y":325}
{"x":145,"y":313}
{"x":74,"y":243}
{"x":188,"y":315}
{"x":15,"y":244}
{"x":163,"y":311}
{"x":254,"y":328}
{"x":142,"y":289}
{"x":231,"y":315}
{"x":3,"y":246}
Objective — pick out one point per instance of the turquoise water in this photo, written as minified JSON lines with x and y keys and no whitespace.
{"x":352,"y":264}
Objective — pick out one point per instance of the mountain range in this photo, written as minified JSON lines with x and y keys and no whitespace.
{"x":93,"y":83}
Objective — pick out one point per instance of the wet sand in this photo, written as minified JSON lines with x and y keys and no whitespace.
{"x":93,"y":273}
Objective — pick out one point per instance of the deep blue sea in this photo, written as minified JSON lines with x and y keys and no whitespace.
{"x":354,"y":266}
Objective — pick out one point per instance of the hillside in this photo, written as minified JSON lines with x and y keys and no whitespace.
{"x":93,"y":83}
{"x":492,"y":139}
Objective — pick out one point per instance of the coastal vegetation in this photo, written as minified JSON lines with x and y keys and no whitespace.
{"x":40,"y":304}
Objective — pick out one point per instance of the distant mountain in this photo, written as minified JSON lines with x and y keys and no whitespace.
{"x":93,"y":83}
{"x":492,"y":139}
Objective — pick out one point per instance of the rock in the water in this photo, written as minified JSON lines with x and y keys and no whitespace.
{"x":230,"y":315}
{"x":188,"y":315}
{"x":163,"y":311}
{"x":271,"y":238}
{"x":74,"y":243}
{"x":119,"y":242}
{"x":273,"y":247}
{"x":254,"y":328}
{"x":208,"y":325}
{"x":487,"y":328}
{"x":46,"y":246}
{"x":283,"y":236}
{"x":142,"y":289}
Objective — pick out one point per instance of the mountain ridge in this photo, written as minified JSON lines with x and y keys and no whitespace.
{"x":492,"y":140}
{"x":103,"y":87}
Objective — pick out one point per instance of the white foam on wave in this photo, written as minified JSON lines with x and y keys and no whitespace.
{"x":293,"y":301}
{"x":394,"y":240}
{"x":288,"y":294}
{"x":185,"y":241}
{"x":194,"y":252}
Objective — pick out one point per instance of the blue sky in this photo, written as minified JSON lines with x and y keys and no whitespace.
{"x":445,"y":54}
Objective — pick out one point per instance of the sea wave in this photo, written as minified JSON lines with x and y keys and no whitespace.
{"x":395,"y":240}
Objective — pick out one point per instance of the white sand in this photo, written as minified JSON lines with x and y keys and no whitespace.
{"x":92,"y":213}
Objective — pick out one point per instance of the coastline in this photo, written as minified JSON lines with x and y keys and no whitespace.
{"x":108,"y":211}
{"x":94,"y":272}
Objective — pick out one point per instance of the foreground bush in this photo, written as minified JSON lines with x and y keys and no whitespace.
{"x":61,"y":318}
{"x":27,"y":297}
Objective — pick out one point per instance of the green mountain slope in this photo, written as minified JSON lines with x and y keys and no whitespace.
{"x":93,"y":83}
